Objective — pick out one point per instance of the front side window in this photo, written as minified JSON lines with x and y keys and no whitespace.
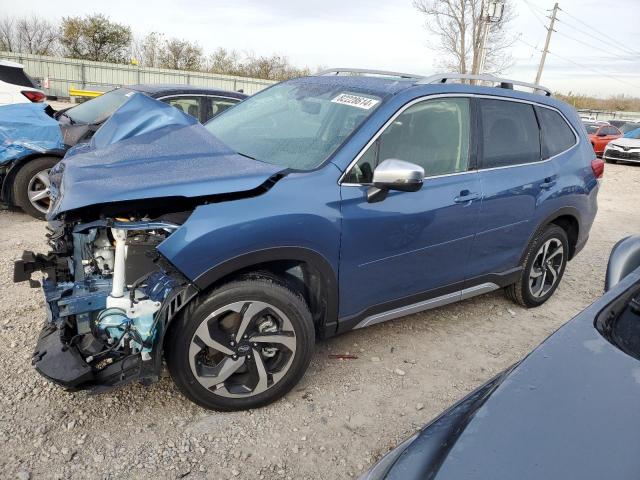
{"x":296,"y":124}
{"x":557,"y":136}
{"x":433,"y":134}
{"x":510,"y":133}
{"x":100,"y":108}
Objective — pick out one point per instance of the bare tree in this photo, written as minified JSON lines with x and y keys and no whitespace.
{"x":181,"y":55}
{"x":8,"y":35}
{"x":147,"y":51}
{"x":95,"y":37}
{"x":37,"y":35}
{"x":224,"y":61}
{"x":459,"y":27}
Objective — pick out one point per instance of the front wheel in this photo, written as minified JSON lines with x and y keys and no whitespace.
{"x":544,"y":266}
{"x":242,"y":346}
{"x":31,"y":186}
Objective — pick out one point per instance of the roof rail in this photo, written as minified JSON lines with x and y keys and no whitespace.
{"x":365,"y":71}
{"x":503,"y":82}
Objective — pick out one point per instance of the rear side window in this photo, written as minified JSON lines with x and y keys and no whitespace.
{"x":510,"y":134}
{"x":557,"y":136}
{"x":15,"y":76}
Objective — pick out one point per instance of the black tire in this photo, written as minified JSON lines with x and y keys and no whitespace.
{"x":23,"y":179}
{"x":521,"y":291}
{"x":608,"y":160}
{"x":257,"y":289}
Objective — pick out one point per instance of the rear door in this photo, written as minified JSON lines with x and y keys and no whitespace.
{"x":515,"y":184}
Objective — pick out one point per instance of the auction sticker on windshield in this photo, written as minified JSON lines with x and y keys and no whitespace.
{"x":355,"y":101}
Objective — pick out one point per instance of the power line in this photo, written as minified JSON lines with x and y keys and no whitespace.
{"x":537,"y":7}
{"x":606,"y":41}
{"x":601,"y":33}
{"x":622,"y":57}
{"x":599,"y":72}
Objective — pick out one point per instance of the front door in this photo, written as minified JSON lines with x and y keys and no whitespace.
{"x":411,"y":245}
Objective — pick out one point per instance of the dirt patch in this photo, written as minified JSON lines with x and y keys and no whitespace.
{"x":340,"y":418}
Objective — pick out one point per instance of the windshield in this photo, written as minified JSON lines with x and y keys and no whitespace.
{"x":591,"y":128}
{"x":627,"y":127}
{"x":296,"y":125}
{"x":635,"y":134}
{"x":100,"y":108}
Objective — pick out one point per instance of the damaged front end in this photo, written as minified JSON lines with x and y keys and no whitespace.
{"x":109,"y":297}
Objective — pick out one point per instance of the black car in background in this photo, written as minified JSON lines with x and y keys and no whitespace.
{"x":569,"y":410}
{"x":24,"y":181}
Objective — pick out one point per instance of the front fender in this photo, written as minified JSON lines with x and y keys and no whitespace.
{"x":301,"y":211}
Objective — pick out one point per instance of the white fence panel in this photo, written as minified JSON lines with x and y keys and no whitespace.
{"x":66,"y":73}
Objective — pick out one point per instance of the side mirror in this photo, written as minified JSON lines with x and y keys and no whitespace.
{"x":393,"y":174}
{"x":601,"y":134}
{"x":624,"y":259}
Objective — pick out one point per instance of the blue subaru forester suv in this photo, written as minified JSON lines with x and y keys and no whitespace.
{"x":317,"y":206}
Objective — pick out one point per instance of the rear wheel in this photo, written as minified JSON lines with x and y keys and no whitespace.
{"x":242,"y":346}
{"x":544,"y":267}
{"x":31,"y":186}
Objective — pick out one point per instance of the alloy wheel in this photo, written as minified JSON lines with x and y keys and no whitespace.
{"x":242,"y":349}
{"x":546,"y":268}
{"x":38,"y":191}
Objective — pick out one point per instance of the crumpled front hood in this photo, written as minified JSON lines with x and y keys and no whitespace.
{"x":149,"y":150}
{"x":27,"y":128}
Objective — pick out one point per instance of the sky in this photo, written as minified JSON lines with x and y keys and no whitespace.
{"x":387,"y":34}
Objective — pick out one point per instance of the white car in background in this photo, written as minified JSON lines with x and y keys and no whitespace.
{"x":16,"y":86}
{"x":624,"y":149}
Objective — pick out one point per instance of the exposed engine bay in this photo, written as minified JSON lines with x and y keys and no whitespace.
{"x":109,"y":297}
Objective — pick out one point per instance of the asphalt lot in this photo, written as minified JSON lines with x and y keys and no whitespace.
{"x":337,"y":422}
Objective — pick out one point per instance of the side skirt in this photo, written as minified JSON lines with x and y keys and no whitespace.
{"x":428,"y":300}
{"x":428,"y":304}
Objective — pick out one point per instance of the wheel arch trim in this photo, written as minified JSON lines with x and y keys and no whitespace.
{"x":289,"y":253}
{"x":15,"y":165}
{"x":562,"y":212}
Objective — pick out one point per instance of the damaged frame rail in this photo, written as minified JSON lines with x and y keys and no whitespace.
{"x":101,"y":332}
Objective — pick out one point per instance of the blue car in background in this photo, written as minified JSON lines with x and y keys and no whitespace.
{"x":34,"y":137}
{"x":317,"y":206}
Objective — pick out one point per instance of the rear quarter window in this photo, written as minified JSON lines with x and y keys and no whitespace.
{"x":510,"y":133}
{"x":15,"y":76}
{"x":557,"y":136}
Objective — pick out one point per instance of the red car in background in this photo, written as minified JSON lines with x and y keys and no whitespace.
{"x":600,"y":135}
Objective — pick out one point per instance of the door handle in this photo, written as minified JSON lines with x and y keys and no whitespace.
{"x":548,"y":183}
{"x":466,"y":196}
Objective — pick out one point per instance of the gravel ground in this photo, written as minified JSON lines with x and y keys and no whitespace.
{"x":343,"y":415}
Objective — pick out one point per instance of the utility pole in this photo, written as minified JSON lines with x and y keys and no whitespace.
{"x":491,"y":14}
{"x":546,"y":43}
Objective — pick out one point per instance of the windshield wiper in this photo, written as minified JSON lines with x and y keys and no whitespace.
{"x":246,"y":156}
